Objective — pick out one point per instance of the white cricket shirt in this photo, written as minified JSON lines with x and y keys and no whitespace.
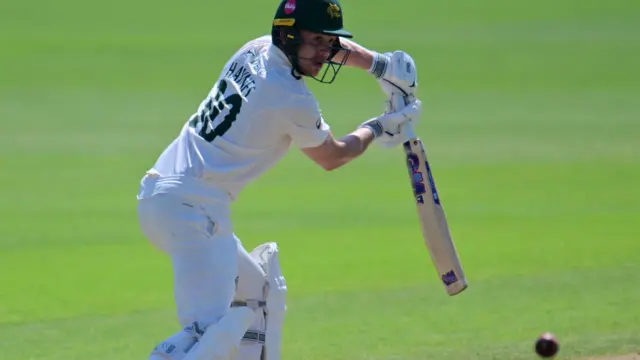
{"x":250,"y":118}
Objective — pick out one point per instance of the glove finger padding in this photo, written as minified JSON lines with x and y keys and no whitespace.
{"x":390,"y":122}
{"x":394,"y":136}
{"x":410,"y":112}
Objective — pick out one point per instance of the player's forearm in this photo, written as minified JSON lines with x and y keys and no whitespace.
{"x":352,"y":145}
{"x":359,"y":57}
{"x":363,"y":58}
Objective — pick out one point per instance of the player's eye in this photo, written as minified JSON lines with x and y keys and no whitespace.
{"x":323,"y":41}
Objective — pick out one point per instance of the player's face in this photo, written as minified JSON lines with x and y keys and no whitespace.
{"x":314,"y":51}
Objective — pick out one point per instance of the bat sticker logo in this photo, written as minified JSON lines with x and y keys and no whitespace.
{"x":432,"y":184}
{"x":417,"y":178}
{"x":449,"y":278}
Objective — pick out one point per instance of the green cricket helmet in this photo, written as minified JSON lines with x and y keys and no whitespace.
{"x":318,"y":16}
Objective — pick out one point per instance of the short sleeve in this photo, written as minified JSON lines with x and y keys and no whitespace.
{"x":305,"y":125}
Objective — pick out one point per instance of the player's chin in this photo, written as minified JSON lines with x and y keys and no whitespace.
{"x":317,"y":67}
{"x":313,"y":68}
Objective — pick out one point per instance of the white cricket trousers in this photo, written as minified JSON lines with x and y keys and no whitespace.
{"x":207,"y":258}
{"x":198,"y":238}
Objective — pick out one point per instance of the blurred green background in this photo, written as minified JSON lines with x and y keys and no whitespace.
{"x":531,"y":122}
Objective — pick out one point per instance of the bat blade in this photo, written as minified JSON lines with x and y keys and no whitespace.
{"x":432,"y":219}
{"x":431,"y":216}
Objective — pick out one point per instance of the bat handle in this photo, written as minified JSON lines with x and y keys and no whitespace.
{"x":399,"y":101}
{"x":407,"y":128}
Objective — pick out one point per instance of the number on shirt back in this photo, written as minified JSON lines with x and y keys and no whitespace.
{"x":207,"y":122}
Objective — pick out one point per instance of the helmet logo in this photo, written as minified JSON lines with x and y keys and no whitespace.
{"x":290,"y":7}
{"x":334,"y":11}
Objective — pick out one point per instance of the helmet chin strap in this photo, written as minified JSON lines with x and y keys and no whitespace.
{"x":296,"y":72}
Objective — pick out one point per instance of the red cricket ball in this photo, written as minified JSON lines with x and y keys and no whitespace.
{"x":547,"y":345}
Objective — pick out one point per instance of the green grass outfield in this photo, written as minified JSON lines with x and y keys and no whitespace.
{"x":532,"y":123}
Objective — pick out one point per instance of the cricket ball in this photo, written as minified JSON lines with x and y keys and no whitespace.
{"x":547,"y":345}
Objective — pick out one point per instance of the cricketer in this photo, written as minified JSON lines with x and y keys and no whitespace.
{"x":230,"y":302}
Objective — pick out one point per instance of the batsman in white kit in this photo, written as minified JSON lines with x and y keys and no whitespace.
{"x":230,"y":302}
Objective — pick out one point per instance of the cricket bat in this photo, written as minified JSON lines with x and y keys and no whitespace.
{"x":433,"y":222}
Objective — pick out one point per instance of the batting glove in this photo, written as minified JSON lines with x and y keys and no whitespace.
{"x":390,"y":122}
{"x":395,"y":71}
{"x":393,"y":137}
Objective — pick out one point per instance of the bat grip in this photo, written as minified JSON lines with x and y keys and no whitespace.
{"x":399,"y":102}
{"x":407,"y":128}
